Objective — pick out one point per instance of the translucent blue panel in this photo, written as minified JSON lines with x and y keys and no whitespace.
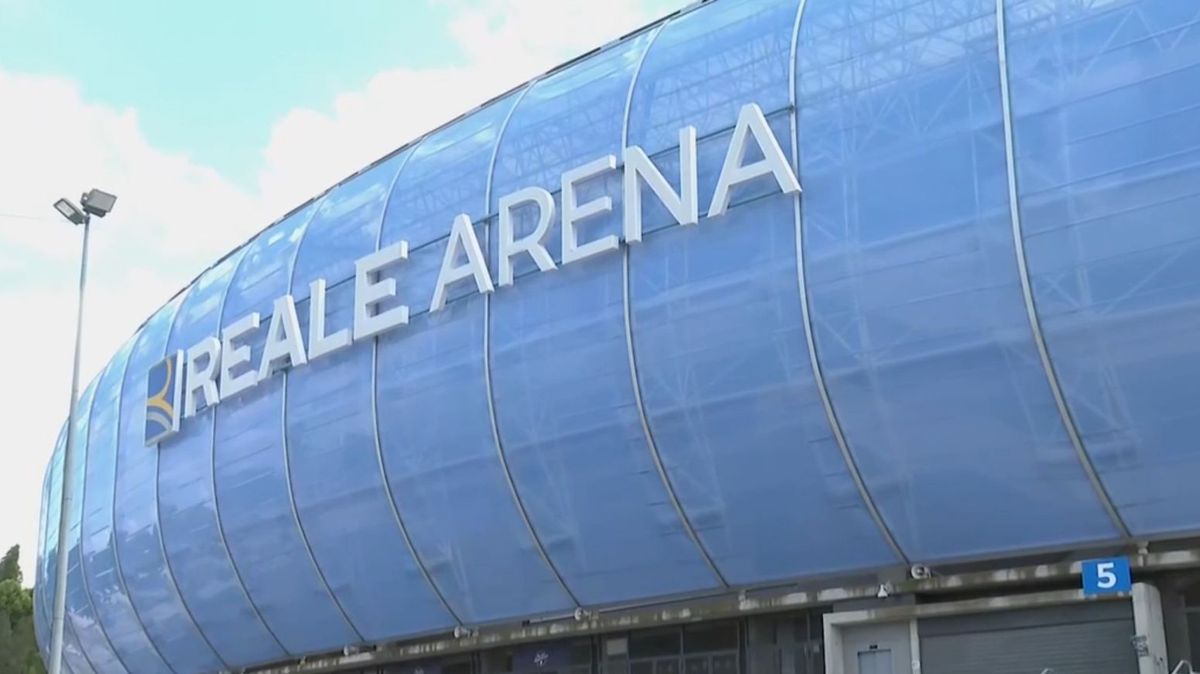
{"x":104,"y":580}
{"x":89,"y":632}
{"x":446,"y":175}
{"x":191,"y":532}
{"x":706,"y":65}
{"x":916,"y":300}
{"x":1108,"y":163}
{"x":345,"y":227}
{"x":138,"y":547}
{"x":336,"y":478}
{"x":251,"y":476}
{"x":41,"y":603}
{"x":73,"y":657}
{"x":560,"y":367}
{"x":39,"y":614}
{"x":266,"y":270}
{"x":717,"y":325}
{"x":434,"y":427}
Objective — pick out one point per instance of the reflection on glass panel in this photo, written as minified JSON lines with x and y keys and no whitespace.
{"x":1107,"y":147}
{"x":340,"y":498}
{"x":708,"y":648}
{"x":732,"y":403}
{"x":917,"y":306}
{"x":696,"y":665}
{"x":192,"y":535}
{"x":150,"y":585}
{"x":725,"y":664}
{"x":565,"y":406}
{"x":113,"y":608}
{"x":706,"y":638}
{"x":650,"y":644}
{"x":249,"y":470}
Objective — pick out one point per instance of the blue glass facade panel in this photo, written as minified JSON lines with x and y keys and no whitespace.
{"x":434,"y":429}
{"x":446,"y":175}
{"x":138,"y":547}
{"x":916,"y":300}
{"x":109,"y":597}
{"x":73,"y":656}
{"x":717,"y":322}
{"x":252,"y":487}
{"x":337,"y":479}
{"x":43,"y":589}
{"x":191,"y":532}
{"x":41,"y":630}
{"x":564,"y":399}
{"x":80,"y":611}
{"x":1104,"y":103}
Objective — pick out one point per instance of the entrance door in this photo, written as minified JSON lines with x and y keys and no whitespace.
{"x":877,"y":649}
{"x":876,"y":662}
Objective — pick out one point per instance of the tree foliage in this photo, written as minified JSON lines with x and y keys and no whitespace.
{"x":15,"y":601}
{"x":18,"y":646}
{"x":10,"y":565}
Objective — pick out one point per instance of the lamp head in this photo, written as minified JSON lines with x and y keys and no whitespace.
{"x":98,"y":202}
{"x":70,"y":211}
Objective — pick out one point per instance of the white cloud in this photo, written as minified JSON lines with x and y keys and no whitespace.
{"x":504,"y":43}
{"x":157,"y":241}
{"x":52,"y":139}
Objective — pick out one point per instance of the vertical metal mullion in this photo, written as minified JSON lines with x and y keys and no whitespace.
{"x":631,"y":351}
{"x":487,"y":362}
{"x":1035,"y":324}
{"x":112,"y":511}
{"x":374,"y":385}
{"x":162,"y":546}
{"x":806,"y":315}
{"x":212,"y":468}
{"x":83,"y":483}
{"x":283,"y":444}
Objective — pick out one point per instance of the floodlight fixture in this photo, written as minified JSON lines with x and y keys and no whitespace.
{"x":98,"y":202}
{"x":70,"y":211}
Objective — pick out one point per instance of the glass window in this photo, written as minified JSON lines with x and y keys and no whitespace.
{"x":654,"y":644}
{"x":457,"y":666}
{"x":726,"y":663}
{"x":553,"y":658}
{"x":796,"y":641}
{"x":666,"y":666}
{"x":710,"y":637}
{"x":707,"y":648}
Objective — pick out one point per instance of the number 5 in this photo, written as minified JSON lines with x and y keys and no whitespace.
{"x":1105,"y":578}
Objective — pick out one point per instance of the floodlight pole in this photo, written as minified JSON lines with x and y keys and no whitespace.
{"x":68,"y":473}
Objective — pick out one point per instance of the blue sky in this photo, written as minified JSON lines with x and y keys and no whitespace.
{"x":209,"y":79}
{"x":244,"y":108}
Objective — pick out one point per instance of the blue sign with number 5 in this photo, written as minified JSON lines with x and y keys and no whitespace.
{"x":1106,"y":576}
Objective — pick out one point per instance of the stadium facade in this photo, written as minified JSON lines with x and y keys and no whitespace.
{"x":777,"y":336}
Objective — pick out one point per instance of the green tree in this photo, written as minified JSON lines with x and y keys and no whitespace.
{"x":18,"y":646}
{"x":10,"y":565}
{"x":15,"y":601}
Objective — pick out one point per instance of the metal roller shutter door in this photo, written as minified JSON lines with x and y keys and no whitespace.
{"x":1082,"y":639}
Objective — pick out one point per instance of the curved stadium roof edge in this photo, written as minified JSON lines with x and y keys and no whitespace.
{"x":415,"y":141}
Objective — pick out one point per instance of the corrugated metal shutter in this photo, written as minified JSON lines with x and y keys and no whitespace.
{"x":1084,"y":639}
